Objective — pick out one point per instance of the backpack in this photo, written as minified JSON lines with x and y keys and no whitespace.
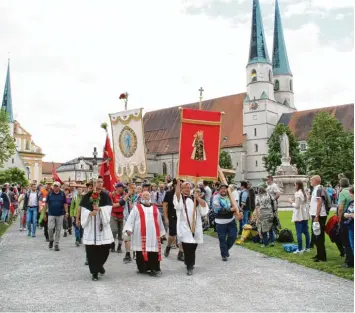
{"x":326,"y":199}
{"x":285,"y":236}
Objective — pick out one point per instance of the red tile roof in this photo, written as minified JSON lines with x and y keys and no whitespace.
{"x":162,"y":127}
{"x":48,"y":166}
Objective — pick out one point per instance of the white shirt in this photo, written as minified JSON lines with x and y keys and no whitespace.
{"x":103,"y":237}
{"x":317,"y":194}
{"x":33,"y":201}
{"x":235,"y":195}
{"x":272,"y":190}
{"x":300,"y":208}
{"x":208,"y":195}
{"x":133,"y":224}
{"x":183,"y":230}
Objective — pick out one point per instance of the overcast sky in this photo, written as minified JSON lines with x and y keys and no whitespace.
{"x":70,"y":60}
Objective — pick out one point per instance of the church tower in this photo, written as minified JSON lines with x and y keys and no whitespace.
{"x":261,"y":111}
{"x":283,"y":79}
{"x":7,"y":100}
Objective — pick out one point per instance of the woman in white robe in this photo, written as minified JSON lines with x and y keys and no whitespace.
{"x":184,"y":206}
{"x":145,"y":226}
{"x":95,"y":220}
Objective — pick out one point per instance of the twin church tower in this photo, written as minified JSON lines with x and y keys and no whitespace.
{"x":269,"y":91}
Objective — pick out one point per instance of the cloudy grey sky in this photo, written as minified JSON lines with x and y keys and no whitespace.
{"x":70,"y":60}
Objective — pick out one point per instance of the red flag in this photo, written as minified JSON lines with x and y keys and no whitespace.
{"x":199,"y":144}
{"x":55,"y":175}
{"x":107,"y":170}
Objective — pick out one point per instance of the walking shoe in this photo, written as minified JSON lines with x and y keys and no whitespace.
{"x":119,"y":248}
{"x":189,"y":272}
{"x":50,"y":246}
{"x":33,"y":235}
{"x":69,"y":231}
{"x":95,"y":277}
{"x":224,"y":258}
{"x":77,"y":243}
{"x":307,"y":250}
{"x":153,"y":273}
{"x":21,"y":229}
{"x":167,"y":251}
{"x":56,"y":248}
{"x":298,"y":252}
{"x":127,"y":258}
{"x":181,"y":256}
{"x":272,"y":244}
{"x":28,"y":234}
{"x":102,"y":271}
{"x":65,"y":234}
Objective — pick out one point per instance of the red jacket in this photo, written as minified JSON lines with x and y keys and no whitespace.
{"x":117,"y":211}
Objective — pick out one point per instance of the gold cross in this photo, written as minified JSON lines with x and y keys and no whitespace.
{"x":201,"y":91}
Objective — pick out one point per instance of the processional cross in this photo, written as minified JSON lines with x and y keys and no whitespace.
{"x":201,"y":90}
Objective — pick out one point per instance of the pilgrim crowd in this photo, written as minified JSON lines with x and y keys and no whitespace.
{"x":146,"y":221}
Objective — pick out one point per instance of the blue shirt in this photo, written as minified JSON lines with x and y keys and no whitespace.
{"x":55,"y":202}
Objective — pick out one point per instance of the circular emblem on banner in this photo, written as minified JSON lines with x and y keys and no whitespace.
{"x":127,"y":141}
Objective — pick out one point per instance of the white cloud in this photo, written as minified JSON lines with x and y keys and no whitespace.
{"x":71,"y":61}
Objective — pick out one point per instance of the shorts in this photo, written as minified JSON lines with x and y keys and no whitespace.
{"x":172,"y":227}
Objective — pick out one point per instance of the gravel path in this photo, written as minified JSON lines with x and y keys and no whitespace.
{"x":33,"y":278}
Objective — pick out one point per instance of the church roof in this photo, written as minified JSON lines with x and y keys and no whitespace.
{"x":300,"y":122}
{"x":48,"y":166}
{"x":280,"y":63}
{"x":162,"y":127}
{"x":258,"y":49}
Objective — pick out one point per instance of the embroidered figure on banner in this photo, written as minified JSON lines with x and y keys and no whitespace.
{"x":198,"y":152}
{"x":128,"y":141}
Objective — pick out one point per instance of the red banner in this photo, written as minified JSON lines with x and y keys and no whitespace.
{"x":107,"y":170}
{"x":199,"y":144}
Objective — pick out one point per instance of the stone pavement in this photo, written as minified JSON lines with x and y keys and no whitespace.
{"x":34,"y":278}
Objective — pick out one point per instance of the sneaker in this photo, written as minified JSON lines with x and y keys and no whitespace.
{"x":33,"y":236}
{"x":153,"y":273}
{"x":189,"y":272}
{"x":50,"y":246}
{"x":95,"y":277}
{"x":65,"y":234}
{"x":21,"y":229}
{"x":239,"y":242}
{"x":56,"y":248}
{"x":69,"y":231}
{"x":119,"y":248}
{"x":181,"y":256}
{"x":25,"y":229}
{"x":263,"y":246}
{"x":272,"y":244}
{"x":127,"y":258}
{"x":77,"y":243}
{"x":224,"y":259}
{"x":298,"y":252}
{"x":167,"y":251}
{"x":307,"y":250}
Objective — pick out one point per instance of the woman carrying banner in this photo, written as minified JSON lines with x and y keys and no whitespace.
{"x":189,"y":227}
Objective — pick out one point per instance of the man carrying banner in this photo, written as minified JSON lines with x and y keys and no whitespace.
{"x":189,"y":227}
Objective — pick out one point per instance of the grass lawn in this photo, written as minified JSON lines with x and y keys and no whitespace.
{"x":4,"y":227}
{"x":332,"y":266}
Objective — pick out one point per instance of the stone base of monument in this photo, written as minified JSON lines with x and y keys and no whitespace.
{"x":286,"y":177}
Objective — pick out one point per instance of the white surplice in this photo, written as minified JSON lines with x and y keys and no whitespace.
{"x":103,"y":237}
{"x":183,"y":230}
{"x":133,"y":224}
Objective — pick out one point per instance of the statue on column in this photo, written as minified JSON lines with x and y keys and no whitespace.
{"x":285,"y":146}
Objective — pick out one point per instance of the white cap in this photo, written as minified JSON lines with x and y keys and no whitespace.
{"x":56,"y":184}
{"x":316,"y":228}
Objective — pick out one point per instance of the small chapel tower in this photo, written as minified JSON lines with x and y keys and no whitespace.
{"x":283,"y":78}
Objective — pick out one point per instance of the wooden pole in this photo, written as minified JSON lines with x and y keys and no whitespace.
{"x":193,"y":226}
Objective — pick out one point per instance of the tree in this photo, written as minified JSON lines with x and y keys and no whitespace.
{"x":158,"y":179}
{"x":13,"y":175}
{"x":273,"y":159}
{"x":330,"y":149}
{"x":225,"y":162}
{"x":7,"y":144}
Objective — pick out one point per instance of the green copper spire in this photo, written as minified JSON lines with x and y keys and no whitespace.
{"x":7,"y":99}
{"x":279,"y":58}
{"x":258,"y":49}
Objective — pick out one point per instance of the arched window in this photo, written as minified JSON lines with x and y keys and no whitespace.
{"x":255,"y":132}
{"x":276,"y":85}
{"x":253,"y":76}
{"x":256,"y":148}
{"x":27,"y":145}
{"x":270,"y":76}
{"x":291,"y":85}
{"x":165,"y":171}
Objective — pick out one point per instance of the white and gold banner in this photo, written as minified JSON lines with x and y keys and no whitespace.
{"x":128,"y":143}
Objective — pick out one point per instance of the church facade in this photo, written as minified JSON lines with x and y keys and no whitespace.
{"x":250,"y":117}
